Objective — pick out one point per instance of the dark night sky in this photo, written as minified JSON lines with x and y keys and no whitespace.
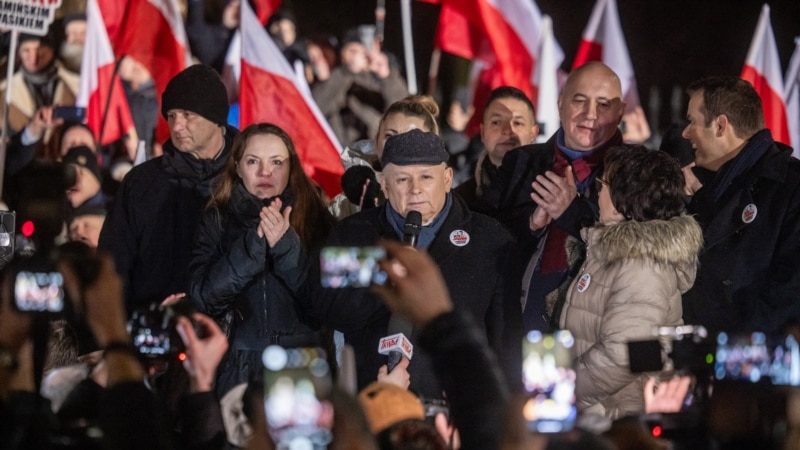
{"x":671,"y":42}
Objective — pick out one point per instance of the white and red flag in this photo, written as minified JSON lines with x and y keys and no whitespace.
{"x":505,"y":35}
{"x":603,"y":40}
{"x":100,"y":92}
{"x":792,"y":97}
{"x":269,"y":91}
{"x":151,"y":32}
{"x":763,"y":70}
{"x":546,"y":78}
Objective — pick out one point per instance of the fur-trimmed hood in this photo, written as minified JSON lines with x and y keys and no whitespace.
{"x":676,"y":241}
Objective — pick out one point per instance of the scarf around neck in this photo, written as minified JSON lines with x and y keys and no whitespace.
{"x":428,"y":232}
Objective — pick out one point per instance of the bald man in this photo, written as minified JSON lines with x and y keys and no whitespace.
{"x":545,"y":192}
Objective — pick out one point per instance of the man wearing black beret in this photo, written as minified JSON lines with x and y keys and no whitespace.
{"x":152,"y":223}
{"x":471,"y":249}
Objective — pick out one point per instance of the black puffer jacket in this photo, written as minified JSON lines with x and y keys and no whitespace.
{"x":234,"y":269}
{"x":151,"y":227}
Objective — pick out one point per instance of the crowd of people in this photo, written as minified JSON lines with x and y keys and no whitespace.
{"x":209,"y":252}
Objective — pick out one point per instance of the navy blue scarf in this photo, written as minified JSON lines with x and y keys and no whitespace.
{"x":755,"y":148}
{"x":428,"y":232}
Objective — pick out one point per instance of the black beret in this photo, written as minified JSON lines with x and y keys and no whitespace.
{"x":89,"y":210}
{"x":84,"y":157}
{"x":413,"y":148}
{"x":198,"y":89}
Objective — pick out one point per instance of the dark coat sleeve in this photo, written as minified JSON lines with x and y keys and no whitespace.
{"x":470,"y":375}
{"x":345,"y":309}
{"x":221,"y":272}
{"x":19,"y":155}
{"x":202,"y":427}
{"x":119,"y":235}
{"x":218,"y":274}
{"x":131,"y":418}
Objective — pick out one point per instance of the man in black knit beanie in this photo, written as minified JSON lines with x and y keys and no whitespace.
{"x":152,"y":222}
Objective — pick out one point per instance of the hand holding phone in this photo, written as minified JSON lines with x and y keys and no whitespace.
{"x":351,"y":266}
{"x":69,"y":113}
{"x":548,"y":376}
{"x":296,"y":389}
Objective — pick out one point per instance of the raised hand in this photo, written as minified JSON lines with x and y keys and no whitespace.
{"x":554,"y":193}
{"x":274,"y":224}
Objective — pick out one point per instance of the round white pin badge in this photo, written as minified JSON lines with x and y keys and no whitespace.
{"x":459,"y":238}
{"x":749,"y":213}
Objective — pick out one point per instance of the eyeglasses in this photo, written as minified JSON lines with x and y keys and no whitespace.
{"x":600,"y":183}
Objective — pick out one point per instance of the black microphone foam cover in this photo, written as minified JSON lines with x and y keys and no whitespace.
{"x":413,"y":224}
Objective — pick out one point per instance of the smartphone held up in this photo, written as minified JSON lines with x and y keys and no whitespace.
{"x":297,"y":387}
{"x":548,"y":376}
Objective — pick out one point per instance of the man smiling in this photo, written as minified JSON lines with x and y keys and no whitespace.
{"x":749,"y":208}
{"x":544,"y":192}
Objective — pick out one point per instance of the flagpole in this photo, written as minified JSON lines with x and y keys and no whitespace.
{"x":433,"y":72}
{"x":12,"y":57}
{"x":107,"y":106}
{"x":408,"y":46}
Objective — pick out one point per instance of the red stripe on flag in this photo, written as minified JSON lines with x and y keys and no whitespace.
{"x":118,"y":115}
{"x":775,"y":117}
{"x":148,"y":37}
{"x":456,"y":35}
{"x":265,"y":8}
{"x":267,"y":97}
{"x":588,"y":51}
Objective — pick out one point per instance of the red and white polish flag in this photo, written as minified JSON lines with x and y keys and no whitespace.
{"x":506,"y":35}
{"x":792,"y":97}
{"x":152,"y":32}
{"x":109,"y":118}
{"x":269,"y":91}
{"x":763,"y":70}
{"x":603,"y":40}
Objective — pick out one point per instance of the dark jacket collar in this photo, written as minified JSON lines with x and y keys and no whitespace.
{"x":186,"y":166}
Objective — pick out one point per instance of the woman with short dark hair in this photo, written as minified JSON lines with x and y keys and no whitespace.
{"x":640,"y":258}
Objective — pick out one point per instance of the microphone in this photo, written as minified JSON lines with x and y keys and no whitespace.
{"x":395,"y":347}
{"x":361,"y":187}
{"x":412,"y":227}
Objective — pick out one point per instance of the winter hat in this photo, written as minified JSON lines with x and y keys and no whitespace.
{"x":84,"y":157}
{"x":198,"y":89}
{"x":385,"y":404}
{"x":413,"y":148}
{"x":48,"y":39}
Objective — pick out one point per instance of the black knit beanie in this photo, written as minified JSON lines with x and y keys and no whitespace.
{"x":198,"y":89}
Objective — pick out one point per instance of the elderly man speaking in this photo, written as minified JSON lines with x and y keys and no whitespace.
{"x":471,"y":250}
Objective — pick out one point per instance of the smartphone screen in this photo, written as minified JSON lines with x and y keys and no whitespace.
{"x":296,"y":389}
{"x":548,"y":376}
{"x":69,"y":113}
{"x":39,"y":291}
{"x":151,"y":341}
{"x":351,"y":266}
{"x":757,"y":358}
